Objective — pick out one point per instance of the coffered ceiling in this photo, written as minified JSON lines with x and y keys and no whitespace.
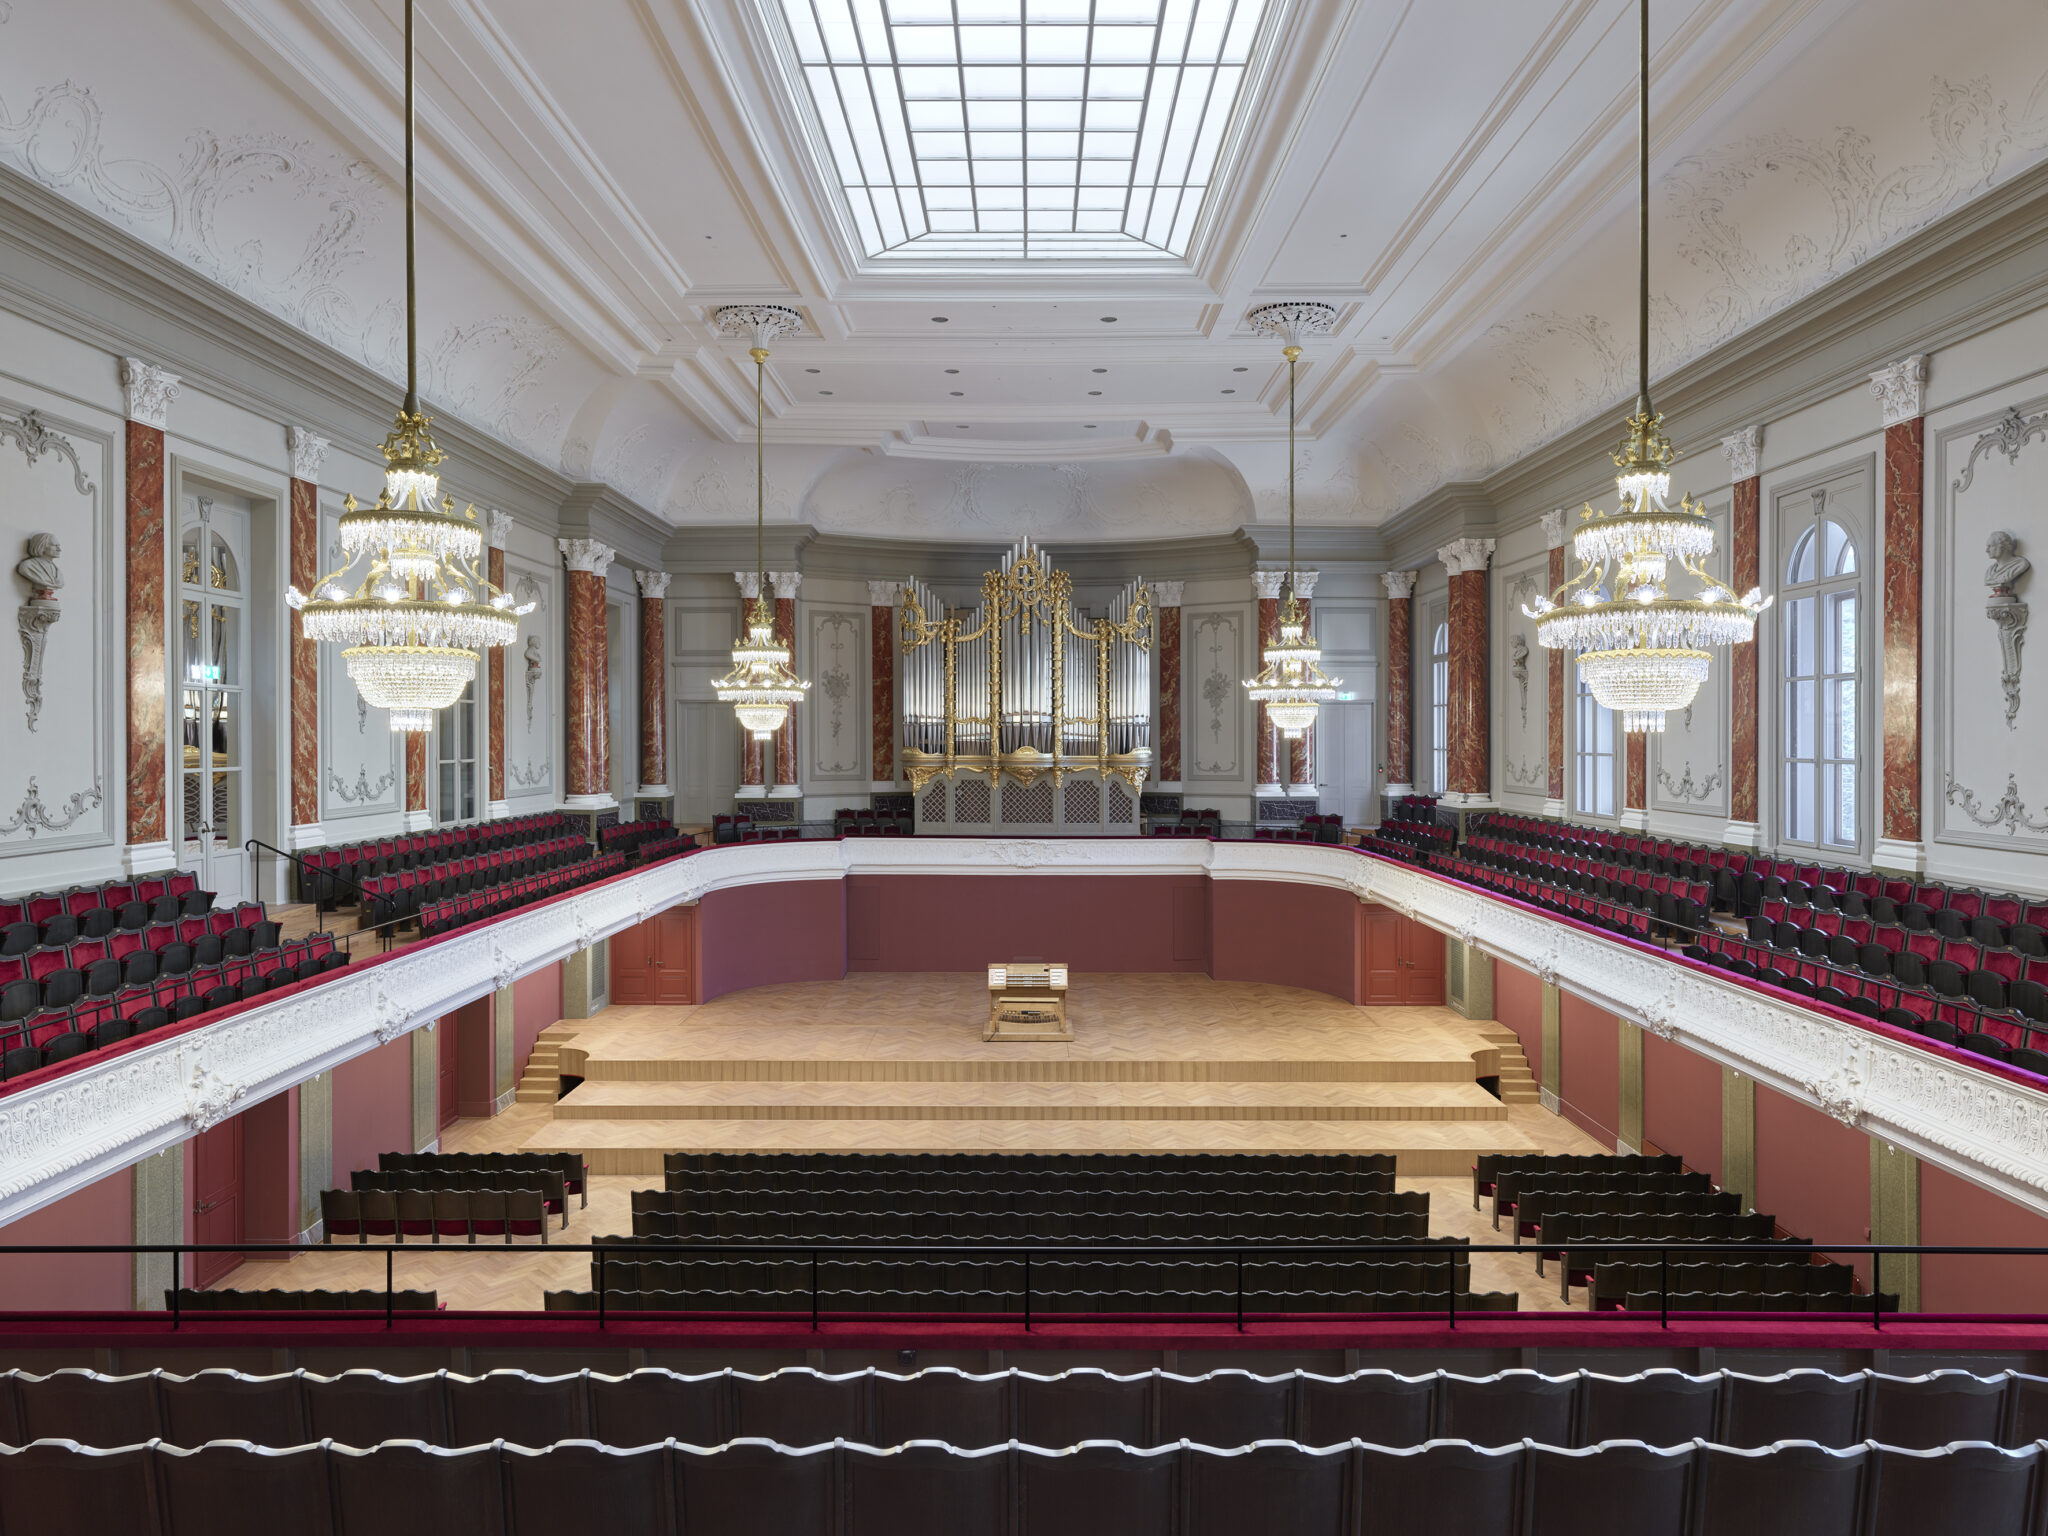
{"x":1455,"y":176}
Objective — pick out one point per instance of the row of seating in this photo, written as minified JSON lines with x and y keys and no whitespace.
{"x":801,"y":1406}
{"x":2003,"y":1034}
{"x":1562,"y":1235}
{"x":450,"y":913}
{"x":1614,"y":1281}
{"x":626,"y":836}
{"x":1677,"y":903}
{"x":739,"y":827}
{"x":1310,"y":829}
{"x":118,"y":897}
{"x":1035,"y":1204}
{"x":1107,"y":1302}
{"x":1408,"y":841}
{"x":399,"y":895}
{"x":999,"y":1170}
{"x":570,"y":1165}
{"x":1597,"y":911}
{"x":1487,"y":1167}
{"x":1996,"y":976}
{"x":299,"y":1301}
{"x":50,"y":1036}
{"x":56,"y":975}
{"x":1413,"y":808}
{"x":1019,"y":1227}
{"x":863,"y":823}
{"x":330,"y":875}
{"x":1718,"y":867}
{"x":751,"y":1488}
{"x":1190,"y":822}
{"x":549,"y":1180}
{"x":665,"y":846}
{"x":437,"y":1213}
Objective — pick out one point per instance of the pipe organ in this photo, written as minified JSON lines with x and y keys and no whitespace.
{"x":1024,"y":711}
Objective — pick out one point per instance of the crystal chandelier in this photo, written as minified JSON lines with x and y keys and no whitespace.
{"x":411,"y":627}
{"x":1643,"y":650}
{"x":1292,"y":685}
{"x":761,"y":688}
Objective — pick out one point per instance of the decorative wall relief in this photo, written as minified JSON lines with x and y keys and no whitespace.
{"x":1524,"y":774}
{"x":527,"y":776}
{"x":2010,"y":812}
{"x":1682,"y":787}
{"x":533,"y":671}
{"x":1518,"y":665}
{"x":34,"y":816}
{"x":839,"y":737}
{"x":34,"y":617}
{"x":1213,"y":650}
{"x":2004,"y":609}
{"x":362,"y":792}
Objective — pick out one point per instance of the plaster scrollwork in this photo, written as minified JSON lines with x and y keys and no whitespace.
{"x":2004,"y":609}
{"x":1525,"y":772}
{"x":1660,"y":1016}
{"x":210,"y":1097}
{"x":529,"y":775}
{"x":1518,"y":668}
{"x":362,"y":792}
{"x":2008,"y":811}
{"x":35,"y":816}
{"x":28,"y":433}
{"x":1683,"y":788}
{"x":1840,"y":1093}
{"x":35,"y":618}
{"x":532,"y":657}
{"x":2009,"y":437}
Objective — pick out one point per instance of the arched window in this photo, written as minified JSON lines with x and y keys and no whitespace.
{"x":1440,"y":709}
{"x":1823,"y":705}
{"x":1593,"y":755}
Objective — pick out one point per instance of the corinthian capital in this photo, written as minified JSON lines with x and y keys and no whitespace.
{"x":587,"y":555}
{"x":1462,"y":555}
{"x":149,"y":391}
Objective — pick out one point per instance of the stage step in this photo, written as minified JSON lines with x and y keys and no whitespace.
{"x":1517,"y":1082}
{"x":1066,"y":1101}
{"x":541,"y":1082}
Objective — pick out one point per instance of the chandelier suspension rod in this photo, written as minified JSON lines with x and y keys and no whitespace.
{"x":412,"y":332}
{"x":760,"y":477}
{"x":1643,"y":215}
{"x":1292,"y":352}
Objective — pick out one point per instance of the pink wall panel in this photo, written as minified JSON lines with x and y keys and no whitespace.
{"x":1589,"y":1041}
{"x":1291,"y":935}
{"x":1812,"y":1173}
{"x":372,"y":1107}
{"x":536,"y":1003}
{"x":1682,"y":1104}
{"x":102,"y":1212}
{"x":476,"y":1069}
{"x":963,"y":922}
{"x":1518,"y":1004}
{"x":759,"y":935}
{"x":1957,"y":1213}
{"x":270,"y":1168}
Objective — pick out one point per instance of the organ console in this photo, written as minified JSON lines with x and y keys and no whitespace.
{"x":1027,"y":1001}
{"x":1033,"y":713}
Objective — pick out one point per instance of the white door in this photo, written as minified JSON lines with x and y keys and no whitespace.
{"x":1344,"y":762}
{"x":213,"y":667}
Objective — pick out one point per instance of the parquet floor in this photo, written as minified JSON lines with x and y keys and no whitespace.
{"x":872,"y":1063}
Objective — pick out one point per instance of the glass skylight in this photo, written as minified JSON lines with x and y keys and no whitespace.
{"x":1014,"y":129}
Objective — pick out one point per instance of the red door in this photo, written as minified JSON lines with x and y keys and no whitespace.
{"x":675,"y":933}
{"x":445,"y":1059}
{"x":1385,"y":976}
{"x":632,"y":961}
{"x":1422,"y":951}
{"x":217,"y":1212}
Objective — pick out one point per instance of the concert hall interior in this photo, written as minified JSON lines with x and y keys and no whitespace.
{"x":1087,"y":766}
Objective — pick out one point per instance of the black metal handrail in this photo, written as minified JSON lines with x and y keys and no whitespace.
{"x":1128,"y":1248}
{"x":365,"y":902}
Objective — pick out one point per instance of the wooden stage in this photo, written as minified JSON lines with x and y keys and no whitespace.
{"x":1159,"y":1063}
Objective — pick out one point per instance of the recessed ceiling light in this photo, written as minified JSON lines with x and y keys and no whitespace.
{"x":1240,"y":370}
{"x":956,"y":393}
{"x":810,"y":370}
{"x":1229,"y":391}
{"x":1098,"y":370}
{"x":1091,"y":426}
{"x":962,"y":427}
{"x":952,"y":370}
{"x":940,"y":319}
{"x":1109,"y":319}
{"x":1094,"y":391}
{"x":824,"y":391}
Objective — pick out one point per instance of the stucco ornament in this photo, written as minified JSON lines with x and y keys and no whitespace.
{"x":35,"y":617}
{"x":209,"y":1097}
{"x":2004,"y":609}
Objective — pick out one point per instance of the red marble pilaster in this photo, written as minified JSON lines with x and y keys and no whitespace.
{"x":415,"y":770}
{"x":498,"y":659}
{"x":653,"y":679}
{"x":1553,"y":715}
{"x":586,"y":730}
{"x":1638,"y":771}
{"x":1468,"y":727}
{"x":1301,"y":752}
{"x":1400,"y":677}
{"x":1905,"y":447}
{"x":145,"y":633}
{"x":1169,"y":689}
{"x":1744,"y":562}
{"x":1268,"y":585}
{"x":882,"y":680}
{"x":305,"y":658}
{"x":785,"y":631}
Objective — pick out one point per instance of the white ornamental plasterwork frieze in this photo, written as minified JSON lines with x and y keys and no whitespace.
{"x":210,"y":1097}
{"x":1683,"y":788}
{"x":2008,"y":811}
{"x":35,"y":816}
{"x":362,"y":792}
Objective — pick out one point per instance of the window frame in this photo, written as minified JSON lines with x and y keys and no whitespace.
{"x":1816,"y":775}
{"x":1605,"y":747}
{"x":466,"y":771}
{"x":1440,"y":708}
